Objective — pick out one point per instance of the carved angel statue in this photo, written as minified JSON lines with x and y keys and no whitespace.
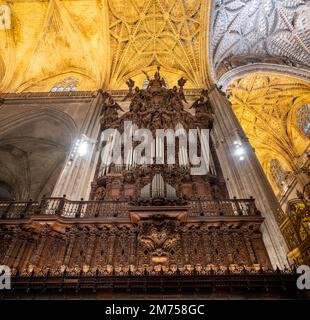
{"x":110,"y":111}
{"x":156,"y":80}
{"x":203,"y":111}
{"x":114,"y":105}
{"x":181,"y":83}
{"x":130,"y":83}
{"x":105,"y":96}
{"x":175,"y":99}
{"x":137,"y":101}
{"x":198,"y":105}
{"x":202,"y":105}
{"x":205,"y":92}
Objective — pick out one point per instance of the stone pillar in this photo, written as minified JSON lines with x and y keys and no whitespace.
{"x":246,"y":178}
{"x":75,"y":179}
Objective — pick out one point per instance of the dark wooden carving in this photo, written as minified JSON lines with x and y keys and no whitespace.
{"x":121,"y":232}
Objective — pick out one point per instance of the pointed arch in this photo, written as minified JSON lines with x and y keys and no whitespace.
{"x":33,"y":149}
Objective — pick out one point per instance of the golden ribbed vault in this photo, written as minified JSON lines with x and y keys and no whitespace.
{"x":102,"y":43}
{"x":266,"y":106}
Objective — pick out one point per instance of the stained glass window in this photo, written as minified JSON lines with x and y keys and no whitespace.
{"x":303,"y":119}
{"x":68,"y":84}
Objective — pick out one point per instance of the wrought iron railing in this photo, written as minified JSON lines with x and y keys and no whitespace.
{"x":118,"y":209}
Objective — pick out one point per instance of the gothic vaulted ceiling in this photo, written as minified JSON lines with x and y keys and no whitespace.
{"x":261,"y":28}
{"x":266,"y":106}
{"x":104,"y":42}
{"x":101,"y":42}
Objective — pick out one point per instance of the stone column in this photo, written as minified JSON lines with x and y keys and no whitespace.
{"x":75,"y":179}
{"x":246,"y":178}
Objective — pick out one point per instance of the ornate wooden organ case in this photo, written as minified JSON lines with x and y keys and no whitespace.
{"x":141,"y":218}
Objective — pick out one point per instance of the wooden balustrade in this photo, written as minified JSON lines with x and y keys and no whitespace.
{"x":227,"y":207}
{"x":17,"y":209}
{"x":117,"y":209}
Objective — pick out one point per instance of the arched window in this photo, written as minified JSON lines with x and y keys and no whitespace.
{"x":303,"y":119}
{"x":68,"y":84}
{"x":279,"y":175}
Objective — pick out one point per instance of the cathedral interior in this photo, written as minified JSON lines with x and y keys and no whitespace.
{"x":72,"y":226}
